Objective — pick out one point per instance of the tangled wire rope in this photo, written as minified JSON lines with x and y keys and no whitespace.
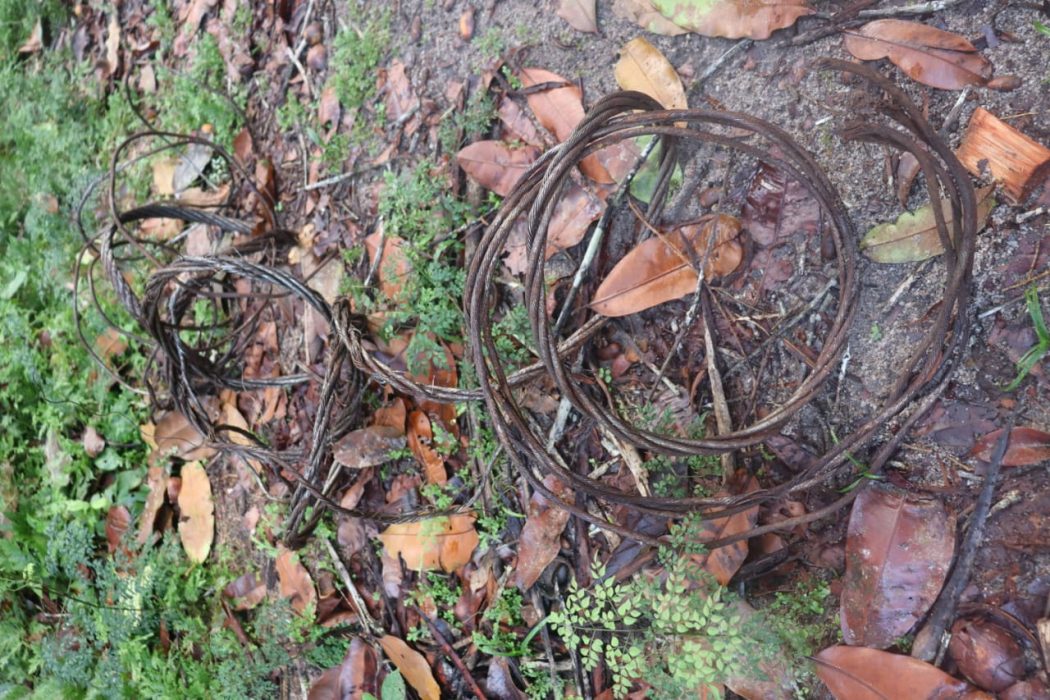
{"x":257,"y":270}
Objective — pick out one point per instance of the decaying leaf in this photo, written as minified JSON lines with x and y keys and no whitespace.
{"x":540,"y":539}
{"x":245,"y":591}
{"x":294,"y":579}
{"x":926,"y":54}
{"x":495,"y":165}
{"x":559,"y":109}
{"x":580,"y":14}
{"x":913,"y":236}
{"x":898,"y":551}
{"x":723,"y":562}
{"x":173,"y":434}
{"x":412,"y":665}
{"x":858,"y":673}
{"x":350,"y":680}
{"x":368,"y":447}
{"x":661,"y":268}
{"x":643,"y":68}
{"x":157,"y":482}
{"x":117,"y":521}
{"x":986,"y":653}
{"x":197,"y":523}
{"x":1027,"y":446}
{"x":394,"y":267}
{"x":777,"y":207}
{"x":420,"y":437}
{"x":642,"y":13}
{"x":733,"y":19}
{"x":445,"y":543}
{"x":517,"y":123}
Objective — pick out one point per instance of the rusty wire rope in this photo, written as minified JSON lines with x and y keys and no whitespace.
{"x":182,"y":373}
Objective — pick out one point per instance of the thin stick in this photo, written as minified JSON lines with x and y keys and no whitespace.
{"x":718,"y":396}
{"x":362,"y":612}
{"x":452,"y":655}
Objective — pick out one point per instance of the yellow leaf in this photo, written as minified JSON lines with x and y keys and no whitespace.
{"x":413,"y":667}
{"x":445,"y":543}
{"x":643,"y":68}
{"x":197,"y":523}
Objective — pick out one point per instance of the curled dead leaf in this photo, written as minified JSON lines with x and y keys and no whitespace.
{"x":352,"y":679}
{"x":858,"y":673}
{"x":197,"y":522}
{"x":368,"y":447}
{"x":294,"y":579}
{"x":412,"y":665}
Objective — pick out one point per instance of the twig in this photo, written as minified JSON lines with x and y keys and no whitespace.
{"x":718,"y":396}
{"x":922,"y":8}
{"x":362,"y":612}
{"x":452,"y":655}
{"x":738,"y":47}
{"x":302,"y":72}
{"x":931,"y":639}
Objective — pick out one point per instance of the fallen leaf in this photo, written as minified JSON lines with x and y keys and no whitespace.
{"x":35,"y":42}
{"x":190,"y":165}
{"x":1026,"y":446}
{"x":907,"y":170}
{"x":110,"y":343}
{"x":352,"y":679}
{"x":197,"y":520}
{"x":558,"y":109}
{"x":199,"y":197}
{"x":113,"y":44}
{"x":913,"y":236}
{"x":495,"y":165}
{"x":294,"y":579}
{"x":392,"y":415}
{"x":986,"y":653}
{"x":777,"y":207}
{"x":412,"y":665}
{"x":733,"y":19}
{"x":117,"y":521}
{"x":926,"y":54}
{"x":93,"y":442}
{"x":368,"y":447}
{"x":157,"y":482}
{"x":445,"y":543}
{"x":466,"y":24}
{"x":173,"y":434}
{"x":661,"y":269}
{"x":643,"y":68}
{"x":394,"y":267}
{"x":245,"y":591}
{"x":580,"y":14}
{"x":898,"y":552}
{"x":540,"y":540}
{"x":517,"y":123}
{"x":420,"y":439}
{"x":857,"y":673}
{"x":642,"y":13}
{"x":724,"y":562}
{"x":400,"y":98}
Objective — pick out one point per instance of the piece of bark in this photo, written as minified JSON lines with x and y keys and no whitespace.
{"x":991,"y":146}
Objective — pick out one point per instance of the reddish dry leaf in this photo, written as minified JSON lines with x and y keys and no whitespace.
{"x":857,"y":673}
{"x":517,"y":123}
{"x":368,"y":447}
{"x":1027,"y":446}
{"x":466,"y":24}
{"x":905,"y":174}
{"x":197,"y":520}
{"x":643,"y":68}
{"x":413,"y":667}
{"x":173,"y":434}
{"x":986,"y":653}
{"x":394,"y":267}
{"x":110,"y":343}
{"x":420,"y":438}
{"x":724,"y":562}
{"x":294,"y":579}
{"x":898,"y":551}
{"x":93,"y":442}
{"x":246,"y":591}
{"x":580,"y":14}
{"x":157,"y":482}
{"x":496,"y":166}
{"x":661,"y":268}
{"x":913,"y":236}
{"x":117,"y":521}
{"x":392,"y":416}
{"x":350,"y":680}
{"x":573,"y":214}
{"x":540,"y":539}
{"x":400,"y":99}
{"x":559,"y":109}
{"x":733,"y":19}
{"x":929,"y":55}
{"x":778,"y":207}
{"x":445,"y":543}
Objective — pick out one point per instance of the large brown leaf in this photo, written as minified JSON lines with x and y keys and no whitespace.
{"x":445,"y":543}
{"x":197,"y":523}
{"x":581,"y":15}
{"x":929,"y":55}
{"x":351,"y":679}
{"x":642,"y":13}
{"x":540,"y":539}
{"x":413,"y":667}
{"x":495,"y":165}
{"x":661,"y":269}
{"x":856,"y":673}
{"x":724,"y":562}
{"x":1026,"y":446}
{"x":368,"y":447}
{"x":643,"y":68}
{"x":294,"y":579}
{"x":734,"y":19}
{"x":913,"y":236}
{"x":898,"y":550}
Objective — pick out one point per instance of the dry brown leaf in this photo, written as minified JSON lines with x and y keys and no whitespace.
{"x":392,"y":415}
{"x":93,"y":442}
{"x":198,"y":197}
{"x":559,"y":109}
{"x":173,"y":434}
{"x":986,"y":653}
{"x":517,"y":123}
{"x":724,"y":562}
{"x":413,"y":667}
{"x":110,"y":343}
{"x":420,"y":437}
{"x":394,"y":267}
{"x":157,"y":482}
{"x":197,"y":520}
{"x":445,"y":543}
{"x":643,"y":68}
{"x":368,"y":447}
{"x":1025,"y":447}
{"x":642,"y":13}
{"x":117,"y":521}
{"x":246,"y":591}
{"x":350,"y":680}
{"x":733,"y":19}
{"x":496,"y":166}
{"x":540,"y":539}
{"x":858,"y":673}
{"x":294,"y":579}
{"x":35,"y":42}
{"x":661,"y":269}
{"x":926,"y":54}
{"x":582,"y":15}
{"x":113,"y":44}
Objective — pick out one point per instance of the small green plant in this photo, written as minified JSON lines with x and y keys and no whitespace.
{"x":490,"y":44}
{"x":356,"y":53}
{"x":1041,"y":28}
{"x":1037,"y":352}
{"x":438,"y":591}
{"x":473,"y":120}
{"x":876,"y":333}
